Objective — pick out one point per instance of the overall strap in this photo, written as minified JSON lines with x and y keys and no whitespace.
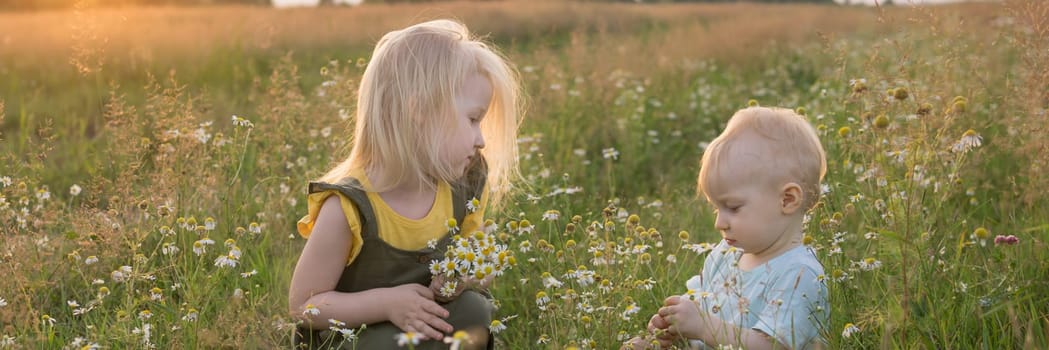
{"x":459,"y":207}
{"x":469,"y":188}
{"x":351,"y":188}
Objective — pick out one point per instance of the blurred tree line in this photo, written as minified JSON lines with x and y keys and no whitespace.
{"x":58,"y":4}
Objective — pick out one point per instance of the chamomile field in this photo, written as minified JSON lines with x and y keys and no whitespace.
{"x":154,"y":163}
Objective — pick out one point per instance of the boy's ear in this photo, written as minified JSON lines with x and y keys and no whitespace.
{"x":791,"y":198}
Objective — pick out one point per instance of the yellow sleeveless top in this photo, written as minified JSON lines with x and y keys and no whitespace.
{"x":396,"y":230}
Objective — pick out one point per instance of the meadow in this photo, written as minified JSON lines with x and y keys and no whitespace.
{"x":154,"y":163}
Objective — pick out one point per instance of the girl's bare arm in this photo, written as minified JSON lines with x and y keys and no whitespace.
{"x":410,"y":307}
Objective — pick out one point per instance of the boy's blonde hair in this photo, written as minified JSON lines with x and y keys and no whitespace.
{"x":792,"y":147}
{"x":406,"y":108}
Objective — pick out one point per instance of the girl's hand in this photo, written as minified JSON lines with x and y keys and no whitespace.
{"x":412,"y":309}
{"x":438,"y":282}
{"x":479,"y":284}
{"x":682,"y":317}
{"x":437,"y":286}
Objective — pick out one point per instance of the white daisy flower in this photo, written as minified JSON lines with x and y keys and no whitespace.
{"x":849,"y":330}
{"x":407,"y":338}
{"x":311,"y":310}
{"x":969,"y":140}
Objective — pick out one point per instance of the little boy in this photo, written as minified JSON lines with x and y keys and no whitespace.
{"x":760,"y":287}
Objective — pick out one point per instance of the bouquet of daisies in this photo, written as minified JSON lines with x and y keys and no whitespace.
{"x":472,"y":260}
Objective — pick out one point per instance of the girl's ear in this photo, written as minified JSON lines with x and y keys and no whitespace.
{"x":791,"y":198}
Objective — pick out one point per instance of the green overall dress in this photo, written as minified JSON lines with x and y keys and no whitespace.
{"x":380,"y":265}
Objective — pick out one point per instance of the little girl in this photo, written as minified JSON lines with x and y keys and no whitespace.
{"x":435,"y":139}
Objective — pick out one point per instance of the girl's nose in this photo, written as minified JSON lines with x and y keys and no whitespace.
{"x":479,"y":141}
{"x":721,"y":223}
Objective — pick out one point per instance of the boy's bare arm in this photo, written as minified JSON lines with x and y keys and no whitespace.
{"x":685,"y":318}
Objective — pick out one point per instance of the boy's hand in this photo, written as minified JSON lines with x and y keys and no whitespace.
{"x":412,"y":308}
{"x":682,"y":316}
{"x":658,"y":326}
{"x":657,"y":323}
{"x":660,"y":341}
{"x":636,"y":343}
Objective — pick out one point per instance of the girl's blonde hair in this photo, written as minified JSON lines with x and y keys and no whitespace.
{"x":793,"y":147}
{"x":406,"y":108}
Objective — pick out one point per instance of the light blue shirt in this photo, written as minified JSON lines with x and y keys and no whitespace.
{"x":784,"y":298}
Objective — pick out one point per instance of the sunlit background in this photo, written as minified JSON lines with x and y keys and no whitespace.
{"x":154,"y":161}
{"x":51,"y":4}
{"x":294,"y":3}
